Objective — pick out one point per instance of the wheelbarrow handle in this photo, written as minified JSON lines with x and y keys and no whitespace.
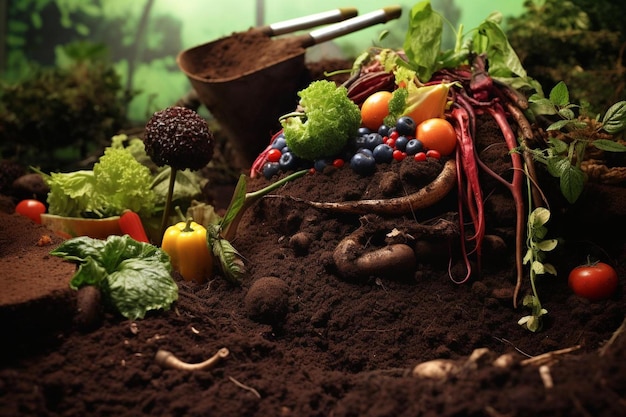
{"x":351,"y":25}
{"x":310,"y":21}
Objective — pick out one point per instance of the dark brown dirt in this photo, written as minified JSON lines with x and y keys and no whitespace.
{"x":344,"y":347}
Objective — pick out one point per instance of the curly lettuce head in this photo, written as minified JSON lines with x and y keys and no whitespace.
{"x":329,"y":119}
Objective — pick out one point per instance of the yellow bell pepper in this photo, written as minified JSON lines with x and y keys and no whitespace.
{"x":186,"y":244}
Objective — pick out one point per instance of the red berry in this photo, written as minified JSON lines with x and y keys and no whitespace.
{"x":398,"y":155}
{"x":431,"y":153}
{"x":394,"y":135}
{"x":338,"y":163}
{"x":420,"y":156}
{"x":273,"y":155}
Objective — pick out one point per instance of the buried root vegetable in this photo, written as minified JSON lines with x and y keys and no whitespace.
{"x":353,"y":260}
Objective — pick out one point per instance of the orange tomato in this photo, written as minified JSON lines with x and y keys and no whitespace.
{"x":374,"y":109}
{"x":437,"y":134}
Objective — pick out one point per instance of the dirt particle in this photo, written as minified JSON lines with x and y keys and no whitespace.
{"x":267,"y":300}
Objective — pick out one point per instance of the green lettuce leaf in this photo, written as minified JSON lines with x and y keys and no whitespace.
{"x":134,"y":277}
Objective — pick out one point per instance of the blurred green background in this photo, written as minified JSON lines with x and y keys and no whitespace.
{"x":142,"y":38}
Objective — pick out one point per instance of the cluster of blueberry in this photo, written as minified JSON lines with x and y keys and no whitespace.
{"x":363,"y":152}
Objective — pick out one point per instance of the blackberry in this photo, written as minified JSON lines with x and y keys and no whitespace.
{"x":178,"y":137}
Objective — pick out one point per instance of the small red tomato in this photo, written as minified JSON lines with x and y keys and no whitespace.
{"x":273,"y":155}
{"x":593,"y":281}
{"x":31,"y":208}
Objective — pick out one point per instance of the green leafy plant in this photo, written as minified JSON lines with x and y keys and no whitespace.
{"x":134,"y":277}
{"x":535,"y":257}
{"x":571,"y":136}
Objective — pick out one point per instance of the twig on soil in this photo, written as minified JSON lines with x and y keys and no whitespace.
{"x":243,"y":386}
{"x":613,"y":338}
{"x":167,"y":360}
{"x":548,"y":357}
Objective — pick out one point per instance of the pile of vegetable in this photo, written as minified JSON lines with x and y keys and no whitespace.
{"x":423,"y":102}
{"x":420,"y":103}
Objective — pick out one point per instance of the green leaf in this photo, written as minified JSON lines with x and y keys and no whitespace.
{"x":558,"y":125}
{"x":539,"y":217}
{"x":567,"y":114}
{"x":237,"y":201}
{"x":559,"y":95}
{"x":557,"y":165}
{"x":559,"y":146}
{"x":549,"y":269}
{"x":537,"y":268}
{"x":609,"y":145}
{"x":547,"y":245}
{"x":140,"y":285}
{"x":422,"y":42}
{"x":572,"y":183}
{"x":230,"y":260}
{"x":614,"y":119}
{"x":541,"y":105}
{"x":491,"y":40}
{"x":134,"y":277}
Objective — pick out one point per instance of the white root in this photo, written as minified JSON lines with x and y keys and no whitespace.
{"x":167,"y":359}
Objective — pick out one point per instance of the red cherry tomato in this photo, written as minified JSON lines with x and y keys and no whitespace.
{"x":593,"y":281}
{"x":273,"y":155}
{"x":437,"y":134}
{"x":31,"y":208}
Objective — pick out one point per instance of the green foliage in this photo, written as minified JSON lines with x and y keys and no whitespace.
{"x":574,"y":132}
{"x":117,"y":182}
{"x":77,"y":107}
{"x":327,"y":120}
{"x":134,"y":277}
{"x":535,"y":257}
{"x":575,"y":41}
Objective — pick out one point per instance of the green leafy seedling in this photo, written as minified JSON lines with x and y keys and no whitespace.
{"x":535,"y":258}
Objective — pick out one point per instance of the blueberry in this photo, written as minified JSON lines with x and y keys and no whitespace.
{"x":357,"y":142}
{"x":364,"y":131}
{"x":383,"y":130}
{"x":406,"y":126}
{"x":401,"y":142}
{"x":284,"y":149}
{"x":320,"y":164}
{"x":279,"y":142}
{"x":414,"y":146}
{"x":366,"y":151}
{"x":372,"y":140}
{"x":363,"y":164}
{"x":288,"y":161}
{"x":270,"y":169}
{"x":383,"y":153}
